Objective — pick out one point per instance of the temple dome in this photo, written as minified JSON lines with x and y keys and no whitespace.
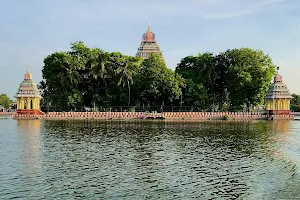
{"x":149,"y":36}
{"x":278,"y":78}
{"x":27,"y":76}
{"x":28,"y":88}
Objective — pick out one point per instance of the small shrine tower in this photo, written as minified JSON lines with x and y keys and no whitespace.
{"x":148,"y":45}
{"x":278,"y":98}
{"x":28,"y":97}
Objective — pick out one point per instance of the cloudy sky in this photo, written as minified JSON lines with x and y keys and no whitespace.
{"x":32,"y":29}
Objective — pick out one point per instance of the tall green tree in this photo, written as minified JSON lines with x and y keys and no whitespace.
{"x":66,"y":75}
{"x":250,"y":73}
{"x":56,"y":84}
{"x":229,"y":80}
{"x":158,"y":85}
{"x":5,"y":101}
{"x":100,"y":60}
{"x":199,"y":71}
{"x":126,"y":72}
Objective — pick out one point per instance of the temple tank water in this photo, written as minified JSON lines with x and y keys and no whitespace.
{"x":149,"y":160}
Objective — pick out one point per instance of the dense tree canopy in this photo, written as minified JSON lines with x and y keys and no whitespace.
{"x":90,"y":77}
{"x":156,"y":84}
{"x":5,"y":101}
{"x":230,"y":80}
{"x":295,"y":104}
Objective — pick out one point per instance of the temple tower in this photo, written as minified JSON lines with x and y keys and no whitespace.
{"x":148,"y":45}
{"x":278,"y":98}
{"x":28,"y":97}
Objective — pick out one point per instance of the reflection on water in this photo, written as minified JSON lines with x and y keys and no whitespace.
{"x":146,"y":160}
{"x":19,"y":158}
{"x":29,"y":141}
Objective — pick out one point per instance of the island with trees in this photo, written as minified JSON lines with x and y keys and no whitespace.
{"x":234,"y":80}
{"x":90,"y":79}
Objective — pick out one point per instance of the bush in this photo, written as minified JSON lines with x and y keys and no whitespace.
{"x":226,"y":117}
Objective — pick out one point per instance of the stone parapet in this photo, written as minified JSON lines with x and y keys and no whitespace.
{"x":279,"y":117}
{"x":7,"y":113}
{"x":143,"y":115}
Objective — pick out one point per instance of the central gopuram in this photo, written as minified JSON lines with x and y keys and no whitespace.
{"x":149,"y":45}
{"x":28,"y":97}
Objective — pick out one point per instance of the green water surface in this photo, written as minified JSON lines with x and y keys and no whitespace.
{"x":149,"y":160}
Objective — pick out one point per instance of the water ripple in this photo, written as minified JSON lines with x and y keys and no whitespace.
{"x":137,"y":160}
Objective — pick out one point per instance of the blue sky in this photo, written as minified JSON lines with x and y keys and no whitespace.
{"x":32,"y":29}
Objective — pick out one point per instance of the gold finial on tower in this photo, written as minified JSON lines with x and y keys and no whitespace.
{"x":148,"y":26}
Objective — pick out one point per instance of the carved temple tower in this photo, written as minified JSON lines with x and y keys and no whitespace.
{"x":28,"y":97}
{"x":148,"y":45}
{"x":278,"y":98}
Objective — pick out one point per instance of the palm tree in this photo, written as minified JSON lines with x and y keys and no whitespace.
{"x":99,"y":62}
{"x":125,"y":73}
{"x":69,"y":76}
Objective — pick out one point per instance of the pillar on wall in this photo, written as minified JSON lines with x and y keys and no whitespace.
{"x":36,"y":104}
{"x":22,"y":103}
{"x":18,"y":105}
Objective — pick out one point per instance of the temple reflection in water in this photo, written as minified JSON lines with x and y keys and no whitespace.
{"x":29,"y":132}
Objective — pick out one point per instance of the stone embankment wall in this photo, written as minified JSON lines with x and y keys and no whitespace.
{"x":212,"y":115}
{"x":93,"y":115}
{"x":7,"y":113}
{"x":142,"y":115}
{"x":279,"y":117}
